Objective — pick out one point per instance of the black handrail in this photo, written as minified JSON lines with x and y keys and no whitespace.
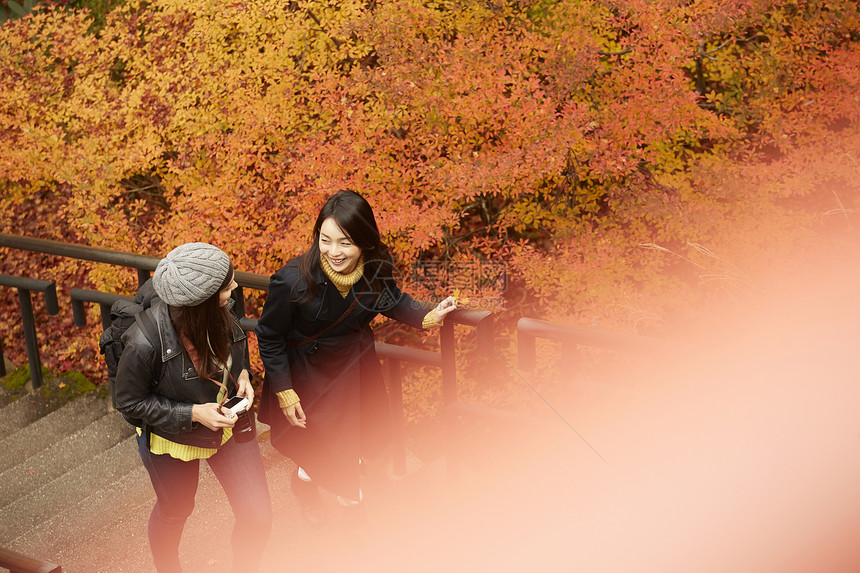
{"x":144,"y":264}
{"x":105,"y":300}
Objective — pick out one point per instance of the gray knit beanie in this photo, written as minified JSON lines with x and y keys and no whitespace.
{"x":190,"y":274}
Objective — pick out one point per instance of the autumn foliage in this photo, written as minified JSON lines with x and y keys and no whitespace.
{"x":624,"y":161}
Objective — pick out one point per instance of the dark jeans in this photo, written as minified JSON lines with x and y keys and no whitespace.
{"x":239,"y":468}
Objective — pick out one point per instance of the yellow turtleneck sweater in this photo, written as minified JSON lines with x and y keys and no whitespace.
{"x":341,"y":281}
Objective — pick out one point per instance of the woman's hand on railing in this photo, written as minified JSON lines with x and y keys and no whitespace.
{"x":445,"y":307}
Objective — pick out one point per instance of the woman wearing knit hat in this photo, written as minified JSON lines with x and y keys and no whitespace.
{"x":183,"y":357}
{"x":323,"y":394}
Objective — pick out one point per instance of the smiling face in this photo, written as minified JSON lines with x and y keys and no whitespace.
{"x":224,"y":293}
{"x":337,"y":248}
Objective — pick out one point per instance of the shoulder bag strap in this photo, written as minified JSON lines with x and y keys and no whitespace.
{"x":327,"y":328}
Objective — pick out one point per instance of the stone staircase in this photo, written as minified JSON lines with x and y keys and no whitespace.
{"x":54,"y":463}
{"x":73,"y":492}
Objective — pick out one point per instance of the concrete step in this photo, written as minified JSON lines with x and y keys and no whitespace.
{"x":62,"y":456}
{"x":21,"y":411}
{"x":110,"y":520}
{"x":28,"y":440}
{"x":63,"y":493}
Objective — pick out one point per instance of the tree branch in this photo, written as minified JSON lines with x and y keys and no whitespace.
{"x":621,"y":53}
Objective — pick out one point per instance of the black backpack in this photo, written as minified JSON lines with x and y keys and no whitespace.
{"x":124,"y":313}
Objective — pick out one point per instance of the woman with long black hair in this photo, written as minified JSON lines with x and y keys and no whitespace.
{"x":183,"y":358}
{"x":323,"y":393}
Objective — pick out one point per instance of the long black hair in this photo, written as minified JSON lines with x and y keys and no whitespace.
{"x":354,"y":215}
{"x":208,"y":327}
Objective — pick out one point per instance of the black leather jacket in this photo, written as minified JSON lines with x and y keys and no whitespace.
{"x":163,"y":406}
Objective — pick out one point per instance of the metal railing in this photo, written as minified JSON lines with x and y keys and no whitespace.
{"x":530,"y":329}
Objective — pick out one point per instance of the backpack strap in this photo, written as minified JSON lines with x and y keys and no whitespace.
{"x":150,"y":331}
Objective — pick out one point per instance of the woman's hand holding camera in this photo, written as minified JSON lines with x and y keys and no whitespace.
{"x":209,"y":415}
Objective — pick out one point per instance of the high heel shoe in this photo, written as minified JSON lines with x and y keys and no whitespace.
{"x":309,"y":498}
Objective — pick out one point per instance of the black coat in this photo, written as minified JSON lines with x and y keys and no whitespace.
{"x":337,"y":376}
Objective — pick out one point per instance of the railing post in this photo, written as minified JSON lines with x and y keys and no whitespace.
{"x":395,"y":391}
{"x":32,"y":344}
{"x":486,"y":331}
{"x":28,"y":320}
{"x":449,"y":363}
{"x":526,"y":353}
{"x":449,"y":396}
{"x":239,"y":306}
{"x":105,"y":300}
{"x":238,"y":296}
{"x":453,"y":446}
